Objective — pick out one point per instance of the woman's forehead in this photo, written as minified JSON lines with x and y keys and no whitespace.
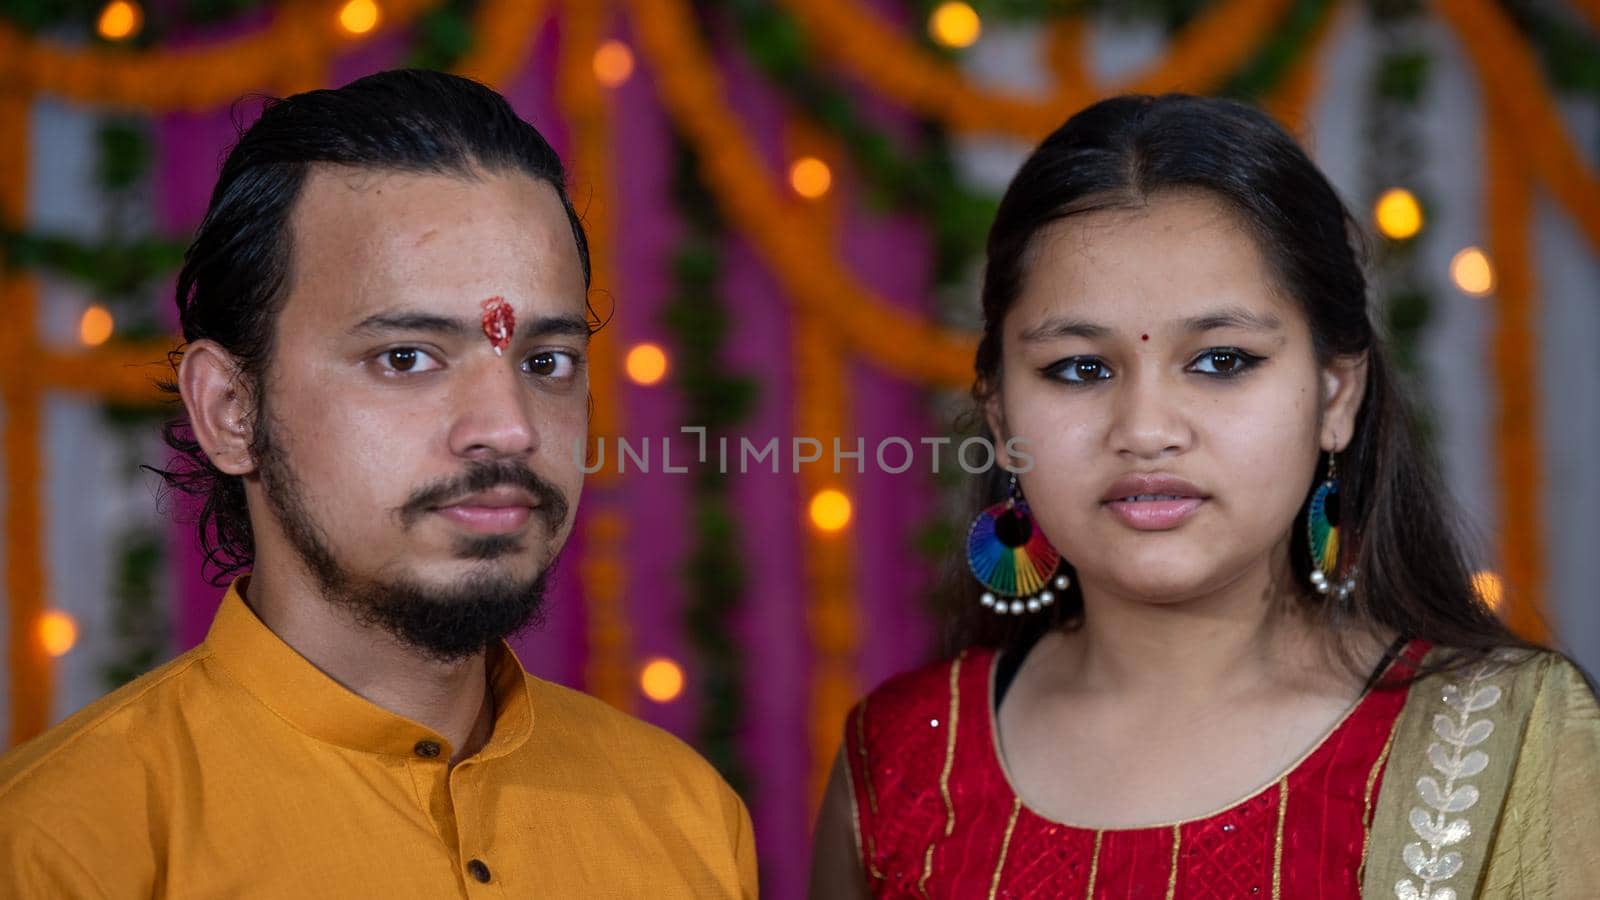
{"x":1177,"y":258}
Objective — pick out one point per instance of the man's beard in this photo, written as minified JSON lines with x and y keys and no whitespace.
{"x":446,"y":622}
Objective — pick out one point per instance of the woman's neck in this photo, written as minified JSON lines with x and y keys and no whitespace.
{"x":1253,"y":631}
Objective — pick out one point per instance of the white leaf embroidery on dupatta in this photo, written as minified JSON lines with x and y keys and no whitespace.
{"x":1454,"y":761}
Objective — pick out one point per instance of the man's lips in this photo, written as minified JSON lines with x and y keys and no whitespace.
{"x":498,"y":511}
{"x":1152,"y":502}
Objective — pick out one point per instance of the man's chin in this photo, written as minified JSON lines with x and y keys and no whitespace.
{"x":450,"y":617}
{"x":450,"y":571}
{"x":491,"y":548}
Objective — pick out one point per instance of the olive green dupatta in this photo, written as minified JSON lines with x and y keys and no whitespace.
{"x":1491,"y":787}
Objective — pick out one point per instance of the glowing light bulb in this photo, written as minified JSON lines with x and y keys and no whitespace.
{"x":613,"y":63}
{"x":57,"y":632}
{"x":830,"y":510}
{"x":1472,"y":272}
{"x":646,"y":364}
{"x":810,"y":177}
{"x":1490,"y":589}
{"x":95,"y":326}
{"x":661,"y":680}
{"x":358,"y":17}
{"x":1398,"y":214}
{"x":119,"y":20}
{"x":955,"y":25}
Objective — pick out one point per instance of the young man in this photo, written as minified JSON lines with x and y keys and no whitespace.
{"x":384,"y":376}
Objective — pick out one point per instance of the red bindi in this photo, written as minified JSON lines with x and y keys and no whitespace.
{"x":499,"y":323}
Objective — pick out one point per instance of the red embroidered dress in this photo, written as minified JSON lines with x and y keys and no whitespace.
{"x":936,"y":815}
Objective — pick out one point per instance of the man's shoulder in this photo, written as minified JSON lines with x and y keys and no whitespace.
{"x":98,"y":741}
{"x":578,"y":723}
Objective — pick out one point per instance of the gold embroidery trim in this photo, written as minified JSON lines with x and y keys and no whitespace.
{"x":927,"y":870}
{"x":1366,"y":802}
{"x":866,"y":847}
{"x":944,"y":775}
{"x":1277,"y":841}
{"x":1094,"y":865}
{"x":950,"y":746}
{"x":861,"y":747}
{"x":1172,"y":873}
{"x":1005,"y":846}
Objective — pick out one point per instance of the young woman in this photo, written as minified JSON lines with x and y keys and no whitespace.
{"x":1222,"y":641}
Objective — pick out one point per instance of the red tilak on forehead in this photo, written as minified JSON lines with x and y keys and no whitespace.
{"x":499,"y":323}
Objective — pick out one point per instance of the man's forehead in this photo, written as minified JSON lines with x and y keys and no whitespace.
{"x":441,"y":243}
{"x":414,"y":209}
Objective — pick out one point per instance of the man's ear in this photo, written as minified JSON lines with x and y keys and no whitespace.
{"x":1344,"y":383}
{"x":221,"y":409}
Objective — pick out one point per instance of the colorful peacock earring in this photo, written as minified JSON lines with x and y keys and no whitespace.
{"x":1322,"y":537}
{"x":1012,"y":559}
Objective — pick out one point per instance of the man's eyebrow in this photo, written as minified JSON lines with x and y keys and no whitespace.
{"x":1233,"y":318}
{"x":430,"y":323}
{"x":413,"y":322}
{"x":551,"y":326}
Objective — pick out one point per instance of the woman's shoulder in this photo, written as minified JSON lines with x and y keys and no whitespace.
{"x":931,"y":683}
{"x":1520,"y":694}
{"x":1529,"y":671}
{"x":906,"y":703}
{"x":1557,"y":691}
{"x":901,"y":748}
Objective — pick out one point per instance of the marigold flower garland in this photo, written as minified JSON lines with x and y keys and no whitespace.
{"x":1208,"y":51}
{"x":290,"y":54}
{"x":1518,"y":99}
{"x":603,"y":570}
{"x":900,"y":341}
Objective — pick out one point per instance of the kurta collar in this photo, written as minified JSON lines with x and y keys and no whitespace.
{"x":314,"y":703}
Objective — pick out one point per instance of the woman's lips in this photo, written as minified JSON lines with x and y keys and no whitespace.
{"x":488,"y":519}
{"x":1154,"y":513}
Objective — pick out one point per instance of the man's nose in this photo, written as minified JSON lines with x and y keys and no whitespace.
{"x":493,"y":416}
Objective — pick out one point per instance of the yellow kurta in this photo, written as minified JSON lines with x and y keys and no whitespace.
{"x":241,"y":770}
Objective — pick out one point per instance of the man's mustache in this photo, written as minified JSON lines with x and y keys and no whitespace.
{"x":482,"y":476}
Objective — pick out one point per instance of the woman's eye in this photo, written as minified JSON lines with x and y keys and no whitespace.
{"x":551,"y":364}
{"x":1224,"y":361}
{"x":1079,"y":370}
{"x":408,"y":360}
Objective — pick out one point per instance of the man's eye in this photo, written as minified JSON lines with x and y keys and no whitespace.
{"x":551,"y":364}
{"x":1079,"y":370}
{"x":1225,"y":361}
{"x":408,"y":360}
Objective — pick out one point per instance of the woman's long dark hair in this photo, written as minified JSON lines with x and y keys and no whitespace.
{"x":1413,"y":577}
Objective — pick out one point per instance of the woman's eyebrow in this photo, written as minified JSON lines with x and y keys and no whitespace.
{"x":1233,"y":318}
{"x":1060,"y":327}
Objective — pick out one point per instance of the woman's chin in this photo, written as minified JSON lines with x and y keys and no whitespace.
{"x":1169,"y":587}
